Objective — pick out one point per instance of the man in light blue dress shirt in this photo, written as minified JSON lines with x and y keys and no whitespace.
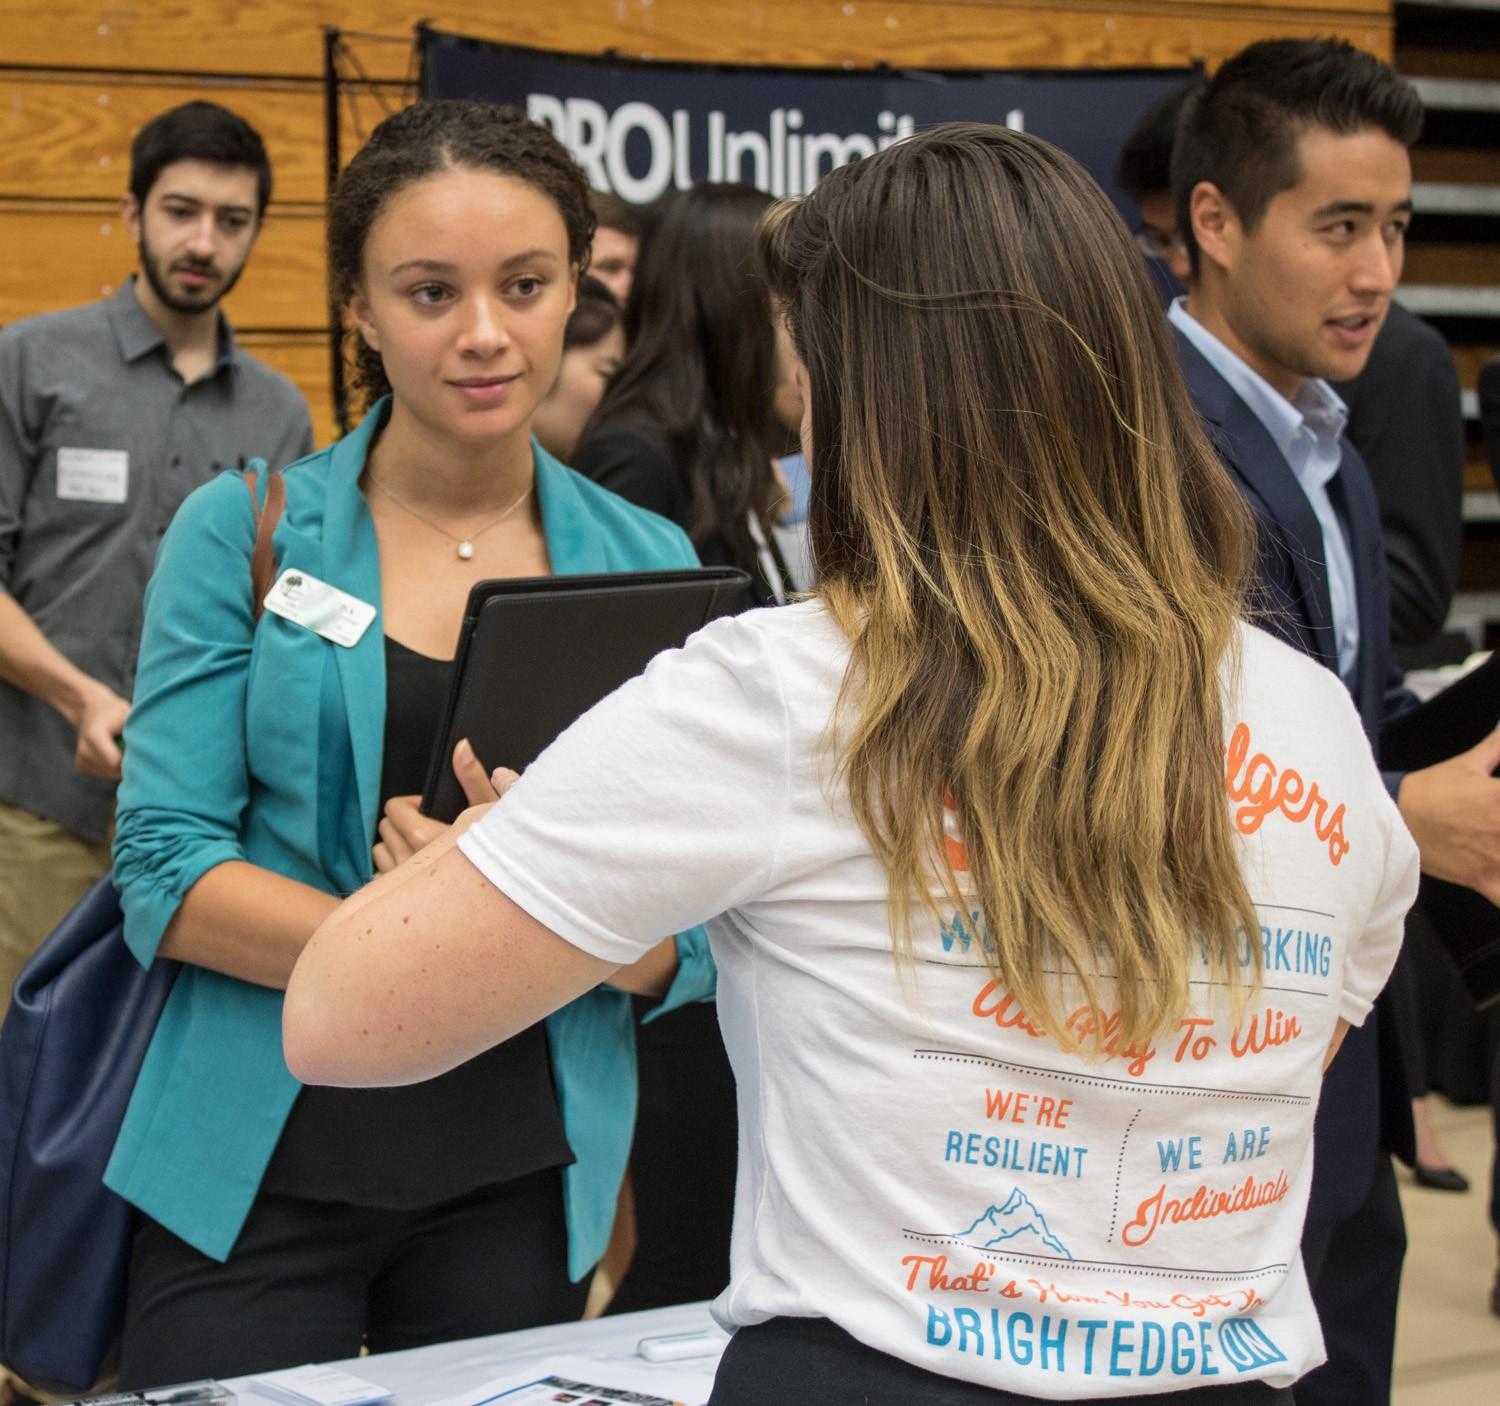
{"x":1307,"y":430}
{"x":1293,"y":186}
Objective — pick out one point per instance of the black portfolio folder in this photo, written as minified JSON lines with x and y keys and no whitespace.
{"x":538,"y":652}
{"x":1460,"y":717}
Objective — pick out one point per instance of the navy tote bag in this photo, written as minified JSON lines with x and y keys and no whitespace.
{"x":81,"y":1015}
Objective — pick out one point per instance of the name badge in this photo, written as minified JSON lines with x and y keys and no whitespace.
{"x":93,"y":475}
{"x":319,"y":607}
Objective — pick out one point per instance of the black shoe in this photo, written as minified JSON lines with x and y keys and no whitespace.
{"x":1440,"y":1179}
{"x":1495,"y":1295}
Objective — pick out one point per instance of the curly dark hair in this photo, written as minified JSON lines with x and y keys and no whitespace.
{"x":420,"y":141}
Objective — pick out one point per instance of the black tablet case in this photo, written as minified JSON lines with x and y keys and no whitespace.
{"x":538,"y":652}
{"x":1460,"y":717}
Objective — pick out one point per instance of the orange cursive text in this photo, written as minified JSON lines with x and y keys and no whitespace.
{"x":1159,"y":1209}
{"x":1262,"y":788}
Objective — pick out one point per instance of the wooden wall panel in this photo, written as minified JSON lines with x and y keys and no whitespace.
{"x":1479,"y":567}
{"x":57,"y":256}
{"x":1468,"y":264}
{"x":1465,"y":165}
{"x":282,"y":37}
{"x":63,"y":137}
{"x":1471,"y":360}
{"x":303,"y":359}
{"x":77,"y":77}
{"x":1435,"y":61}
{"x":1479,"y":477}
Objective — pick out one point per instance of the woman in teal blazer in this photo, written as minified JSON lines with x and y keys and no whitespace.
{"x":252,"y":791}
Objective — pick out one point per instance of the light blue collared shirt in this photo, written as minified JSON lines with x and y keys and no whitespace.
{"x":1307,"y":430}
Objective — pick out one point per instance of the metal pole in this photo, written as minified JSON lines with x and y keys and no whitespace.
{"x":331,"y":42}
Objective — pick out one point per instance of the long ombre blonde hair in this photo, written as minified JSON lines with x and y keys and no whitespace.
{"x":1038,"y":562}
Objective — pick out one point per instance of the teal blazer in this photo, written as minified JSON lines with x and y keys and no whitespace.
{"x":264,"y":743}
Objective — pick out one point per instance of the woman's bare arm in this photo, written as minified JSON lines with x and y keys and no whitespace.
{"x":246,"y":922}
{"x":422,"y":970}
{"x":1339,"y":1031}
{"x":250,"y":923}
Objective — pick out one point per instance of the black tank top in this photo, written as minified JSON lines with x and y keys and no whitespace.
{"x":491,"y":1120}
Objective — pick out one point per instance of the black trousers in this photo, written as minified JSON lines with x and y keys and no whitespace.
{"x":682,"y":1164}
{"x":1354,"y":1268}
{"x":1406,"y":1009}
{"x":311,"y":1281}
{"x":811,"y":1362}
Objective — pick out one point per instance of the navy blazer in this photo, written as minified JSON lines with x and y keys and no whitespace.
{"x":1365,"y":1104}
{"x":1291,"y":588}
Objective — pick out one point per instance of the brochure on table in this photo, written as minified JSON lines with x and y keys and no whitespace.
{"x":587,"y":1381}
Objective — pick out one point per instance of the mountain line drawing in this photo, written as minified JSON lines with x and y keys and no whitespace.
{"x":1018,"y":1220}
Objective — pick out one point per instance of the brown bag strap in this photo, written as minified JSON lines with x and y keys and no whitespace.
{"x":263,"y":558}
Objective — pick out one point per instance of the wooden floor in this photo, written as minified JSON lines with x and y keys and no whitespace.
{"x":1447,"y":1340}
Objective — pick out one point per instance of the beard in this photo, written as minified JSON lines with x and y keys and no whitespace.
{"x":158,"y":272}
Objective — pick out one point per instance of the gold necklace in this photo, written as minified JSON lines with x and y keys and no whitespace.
{"x":464,"y":545}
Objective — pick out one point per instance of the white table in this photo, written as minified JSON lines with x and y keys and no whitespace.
{"x":425,"y":1374}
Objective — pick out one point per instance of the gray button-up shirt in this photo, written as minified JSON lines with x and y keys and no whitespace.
{"x":79,"y":528}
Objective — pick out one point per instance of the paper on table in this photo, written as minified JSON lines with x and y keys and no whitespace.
{"x":319,"y":1386}
{"x":588,"y":1381}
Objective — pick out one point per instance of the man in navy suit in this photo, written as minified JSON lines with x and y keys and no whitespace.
{"x":1293,"y":186}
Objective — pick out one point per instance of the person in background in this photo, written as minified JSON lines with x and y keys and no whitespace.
{"x":1143,"y":171}
{"x":687,"y":428}
{"x":1489,"y":413}
{"x":1405,"y":420}
{"x":1293,"y":183}
{"x":617,"y":238}
{"x":791,"y":528}
{"x":1489,"y":419}
{"x":687,"y":425}
{"x":110,"y":415}
{"x":593,"y":344}
{"x":1405,"y":416}
{"x":272,"y":765}
{"x":982,"y":896}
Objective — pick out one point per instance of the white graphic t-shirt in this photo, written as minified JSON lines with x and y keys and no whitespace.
{"x":919,"y":1161}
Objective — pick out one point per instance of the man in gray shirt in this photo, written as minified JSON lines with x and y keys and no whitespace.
{"x":110,"y":415}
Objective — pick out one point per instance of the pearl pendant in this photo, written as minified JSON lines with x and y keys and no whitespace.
{"x":465,"y":550}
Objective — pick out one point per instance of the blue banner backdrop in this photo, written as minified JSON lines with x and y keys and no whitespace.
{"x":641,"y":127}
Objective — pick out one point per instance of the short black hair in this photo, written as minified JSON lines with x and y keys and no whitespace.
{"x":198,"y":131}
{"x":1240,"y":131}
{"x":1144,"y":165}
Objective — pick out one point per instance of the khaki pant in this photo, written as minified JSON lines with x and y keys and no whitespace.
{"x":44,"y":871}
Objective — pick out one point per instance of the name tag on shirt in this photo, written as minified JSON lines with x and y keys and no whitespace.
{"x":319,"y":607}
{"x":93,"y":475}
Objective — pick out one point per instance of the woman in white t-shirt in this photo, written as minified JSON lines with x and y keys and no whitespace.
{"x":1028,"y":1019}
